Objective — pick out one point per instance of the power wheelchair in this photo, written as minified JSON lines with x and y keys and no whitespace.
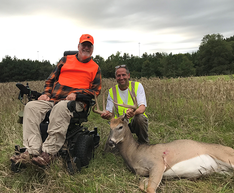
{"x":80,"y":143}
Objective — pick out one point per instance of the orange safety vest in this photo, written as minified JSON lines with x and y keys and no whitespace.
{"x":76,"y":74}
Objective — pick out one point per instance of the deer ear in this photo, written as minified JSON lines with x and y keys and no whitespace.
{"x":124,"y":117}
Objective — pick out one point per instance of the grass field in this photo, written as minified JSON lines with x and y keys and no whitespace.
{"x":201,"y":109}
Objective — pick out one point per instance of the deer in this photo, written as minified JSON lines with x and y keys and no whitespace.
{"x":182,"y":158}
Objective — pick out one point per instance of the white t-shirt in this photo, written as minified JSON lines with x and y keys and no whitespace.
{"x":141,"y":99}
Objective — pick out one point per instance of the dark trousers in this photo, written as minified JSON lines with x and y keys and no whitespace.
{"x":139,"y":126}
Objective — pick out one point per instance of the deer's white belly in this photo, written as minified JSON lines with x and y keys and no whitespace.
{"x":196,"y":167}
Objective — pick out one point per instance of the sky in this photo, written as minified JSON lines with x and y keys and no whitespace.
{"x":44,"y":29}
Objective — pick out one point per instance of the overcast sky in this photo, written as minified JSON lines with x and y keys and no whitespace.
{"x":44,"y":29}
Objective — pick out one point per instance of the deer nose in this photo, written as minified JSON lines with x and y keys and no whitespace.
{"x":111,"y":143}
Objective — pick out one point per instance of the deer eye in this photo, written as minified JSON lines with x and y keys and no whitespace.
{"x":121,"y":127}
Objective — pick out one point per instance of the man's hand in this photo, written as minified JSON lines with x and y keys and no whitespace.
{"x":44,"y":97}
{"x":106,"y":115}
{"x":71,"y":97}
{"x":130,"y":113}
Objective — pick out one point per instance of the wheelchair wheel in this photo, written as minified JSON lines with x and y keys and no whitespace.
{"x":83,"y":149}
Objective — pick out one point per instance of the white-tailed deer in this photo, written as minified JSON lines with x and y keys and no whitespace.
{"x":179,"y":158}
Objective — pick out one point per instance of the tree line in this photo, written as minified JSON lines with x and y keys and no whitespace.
{"x":215,"y":56}
{"x":14,"y":70}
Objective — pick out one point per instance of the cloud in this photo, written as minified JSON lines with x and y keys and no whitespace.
{"x":117,"y":25}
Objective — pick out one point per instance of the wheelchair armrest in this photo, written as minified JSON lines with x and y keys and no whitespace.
{"x":71,"y":105}
{"x":35,"y":94}
{"x":83,"y":97}
{"x":79,"y":117}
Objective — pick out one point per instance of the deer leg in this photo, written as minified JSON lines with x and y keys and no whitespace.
{"x":155,"y":177}
{"x":143,"y":184}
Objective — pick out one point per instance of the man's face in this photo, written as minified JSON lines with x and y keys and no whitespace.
{"x":85,"y":50}
{"x":122,"y":78}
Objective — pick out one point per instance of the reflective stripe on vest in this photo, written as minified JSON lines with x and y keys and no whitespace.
{"x":114,"y":94}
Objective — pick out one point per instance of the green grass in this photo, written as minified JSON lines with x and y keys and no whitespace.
{"x":201,"y":109}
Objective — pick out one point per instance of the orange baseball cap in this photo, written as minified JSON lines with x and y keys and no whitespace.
{"x":86,"y":38}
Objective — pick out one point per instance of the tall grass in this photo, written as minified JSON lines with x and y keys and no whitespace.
{"x":185,"y":108}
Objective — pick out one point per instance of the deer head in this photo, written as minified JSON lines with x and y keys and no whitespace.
{"x":119,"y":126}
{"x":98,"y":111}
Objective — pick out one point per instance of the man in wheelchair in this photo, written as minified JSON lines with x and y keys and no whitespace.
{"x":74,"y":75}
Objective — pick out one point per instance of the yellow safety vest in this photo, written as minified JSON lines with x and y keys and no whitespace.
{"x":114,"y":94}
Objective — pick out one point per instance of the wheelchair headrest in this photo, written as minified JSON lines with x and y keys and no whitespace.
{"x":69,"y":53}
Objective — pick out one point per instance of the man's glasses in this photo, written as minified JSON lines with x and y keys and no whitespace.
{"x":120,"y":66}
